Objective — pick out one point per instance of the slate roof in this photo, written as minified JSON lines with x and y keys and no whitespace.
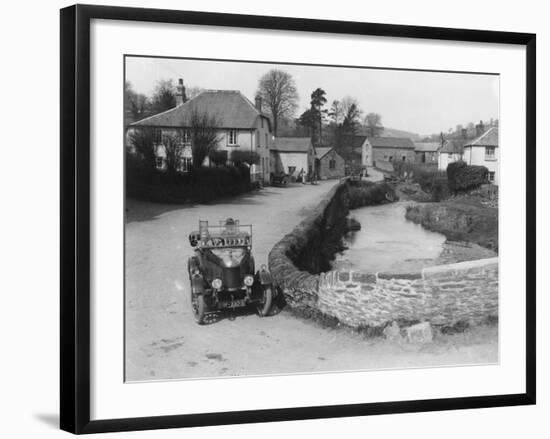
{"x":230,"y":107}
{"x":291,"y":144}
{"x":354,"y":141}
{"x":488,"y":138}
{"x":322,"y":151}
{"x":391,"y":142}
{"x":452,"y":146}
{"x":426,"y":146}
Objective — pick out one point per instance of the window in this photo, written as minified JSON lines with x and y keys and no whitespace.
{"x":232,"y":137}
{"x":184,"y":164}
{"x":491,"y":176}
{"x":266,"y":141}
{"x":262,"y":119}
{"x":332,"y":164}
{"x":159,"y":162}
{"x":157,"y":135}
{"x":489,"y":153}
{"x":184,"y":136}
{"x":405,"y":157}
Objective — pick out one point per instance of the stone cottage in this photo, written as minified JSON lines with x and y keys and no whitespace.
{"x":389,"y":149}
{"x":427,"y":152}
{"x":328,"y":163}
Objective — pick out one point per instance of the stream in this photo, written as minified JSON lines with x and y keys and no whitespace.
{"x":389,"y":242}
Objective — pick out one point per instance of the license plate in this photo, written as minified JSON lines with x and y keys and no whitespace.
{"x":233,"y":304}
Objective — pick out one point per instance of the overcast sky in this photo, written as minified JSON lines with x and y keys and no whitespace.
{"x":420,"y":102}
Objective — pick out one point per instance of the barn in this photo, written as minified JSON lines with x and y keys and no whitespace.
{"x":328,"y":163}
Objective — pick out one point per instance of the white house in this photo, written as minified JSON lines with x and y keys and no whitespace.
{"x":451,"y":151}
{"x":242,"y":126}
{"x":484,"y":151}
{"x":292,"y":155}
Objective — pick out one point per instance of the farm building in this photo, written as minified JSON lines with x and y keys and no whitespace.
{"x":328,"y":163}
{"x":389,"y":149}
{"x":427,"y":152}
{"x":292,"y":155}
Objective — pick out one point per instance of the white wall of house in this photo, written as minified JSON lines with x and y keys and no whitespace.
{"x":296,"y":160}
{"x":482,"y":156}
{"x":366,"y":153}
{"x":256,"y":140}
{"x":446,"y":158}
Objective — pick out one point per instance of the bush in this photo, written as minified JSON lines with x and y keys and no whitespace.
{"x":365,"y":193}
{"x":463,"y":177}
{"x":250,"y":157}
{"x":199,"y":185}
{"x":427,"y":176}
{"x":218,"y":157}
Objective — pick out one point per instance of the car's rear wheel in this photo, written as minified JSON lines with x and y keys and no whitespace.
{"x":265,"y":305}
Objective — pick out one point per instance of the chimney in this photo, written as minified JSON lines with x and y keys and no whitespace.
{"x":258,"y":102}
{"x":480,"y":128}
{"x":180,"y":93}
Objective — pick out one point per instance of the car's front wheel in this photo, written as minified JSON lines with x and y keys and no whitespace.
{"x":265,"y":305}
{"x":198,"y":307}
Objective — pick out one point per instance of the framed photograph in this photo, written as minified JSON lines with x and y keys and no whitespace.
{"x":275,"y":218}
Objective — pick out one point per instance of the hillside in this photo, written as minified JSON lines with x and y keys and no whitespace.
{"x":392,"y":132}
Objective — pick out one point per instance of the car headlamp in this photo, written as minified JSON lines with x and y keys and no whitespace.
{"x":217,"y":284}
{"x":248,"y":280}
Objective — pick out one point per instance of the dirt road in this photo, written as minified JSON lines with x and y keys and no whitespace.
{"x":164,"y":342}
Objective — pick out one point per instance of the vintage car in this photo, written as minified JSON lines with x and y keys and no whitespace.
{"x":279,"y":179}
{"x":222,"y":273}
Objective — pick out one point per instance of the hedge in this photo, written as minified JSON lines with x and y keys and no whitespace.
{"x":199,"y":185}
{"x":463,"y":177}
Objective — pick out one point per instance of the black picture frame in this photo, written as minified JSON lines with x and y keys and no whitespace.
{"x":75,"y":217}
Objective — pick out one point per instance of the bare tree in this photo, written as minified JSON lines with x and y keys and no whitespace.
{"x":278,"y":90}
{"x":142,"y":141}
{"x":352,"y":115}
{"x":164,"y":96}
{"x":373,"y":123}
{"x":204,"y":135}
{"x":172,"y":150}
{"x":336,"y":113}
{"x":136,"y":105}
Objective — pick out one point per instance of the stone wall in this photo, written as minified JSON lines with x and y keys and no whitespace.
{"x":443,"y":295}
{"x":305,"y":250}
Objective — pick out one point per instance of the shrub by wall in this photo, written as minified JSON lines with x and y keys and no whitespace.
{"x":463,"y":177}
{"x":427,"y":176}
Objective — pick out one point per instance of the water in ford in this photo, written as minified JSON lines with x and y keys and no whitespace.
{"x":388,"y":242}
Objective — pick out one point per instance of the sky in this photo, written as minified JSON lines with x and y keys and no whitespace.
{"x":415,"y":101}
